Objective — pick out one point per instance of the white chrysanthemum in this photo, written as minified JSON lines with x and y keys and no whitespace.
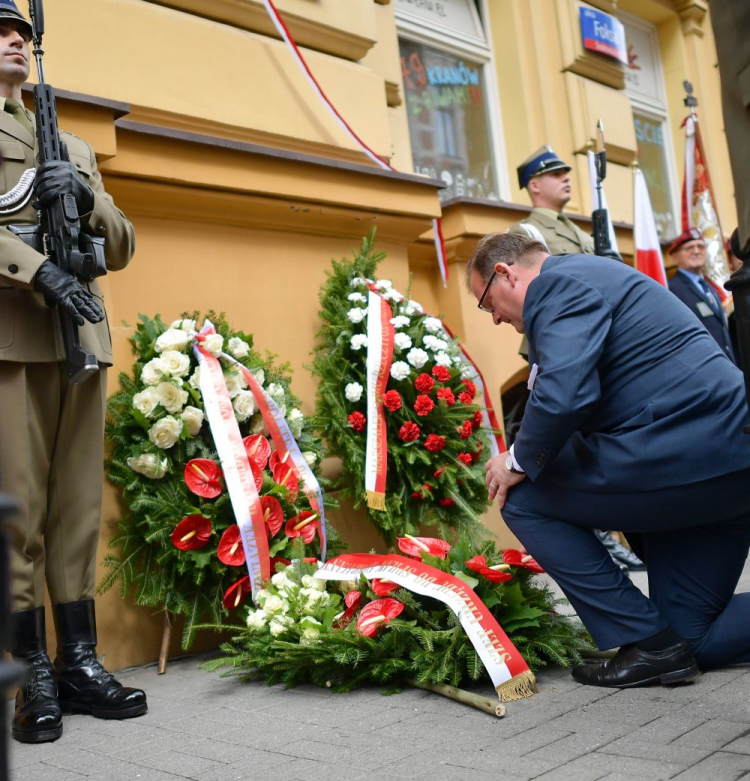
{"x":172,"y":339}
{"x":428,"y":341}
{"x":358,"y":341}
{"x":146,"y":401}
{"x":154,"y":371}
{"x":467,"y":371}
{"x":400,"y":321}
{"x":412,"y":308}
{"x":392,"y":295}
{"x":438,"y":345}
{"x":400,"y":370}
{"x":280,"y":624}
{"x":432,"y":324}
{"x":443,"y":359}
{"x":383,"y":284}
{"x":257,"y":619}
{"x":275,"y":604}
{"x":174,"y":363}
{"x":309,"y":456}
{"x":193,"y":418}
{"x":296,"y":420}
{"x":308,"y":581}
{"x":357,"y":298}
{"x":358,"y":282}
{"x":214,"y":344}
{"x":356,"y":315}
{"x":195,"y":378}
{"x":148,"y":465}
{"x":244,"y":405}
{"x":402,"y":341}
{"x":172,"y":397}
{"x":417,"y":357}
{"x":353,"y":391}
{"x":282,"y":582}
{"x":165,"y":432}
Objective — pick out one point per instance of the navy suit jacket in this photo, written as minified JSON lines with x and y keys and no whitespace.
{"x":715,"y":325}
{"x":632,"y":393}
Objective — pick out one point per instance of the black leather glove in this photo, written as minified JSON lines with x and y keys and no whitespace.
{"x":61,"y":289}
{"x":58,"y":177}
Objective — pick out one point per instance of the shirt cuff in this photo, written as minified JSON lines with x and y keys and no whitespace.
{"x":516,"y":465}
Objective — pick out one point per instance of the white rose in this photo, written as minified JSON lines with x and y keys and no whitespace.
{"x":279,"y":625}
{"x":309,"y":456}
{"x":214,"y":344}
{"x":443,"y":359}
{"x":282,"y":582}
{"x":275,"y":604}
{"x":295,"y":419}
{"x":171,"y":396}
{"x":356,"y":315}
{"x":384,"y":284}
{"x":308,"y":581}
{"x":357,"y":298}
{"x":310,"y":634}
{"x":262,"y":596}
{"x":358,"y":341}
{"x":258,"y":425}
{"x":357,"y":282}
{"x":193,"y":418}
{"x":282,"y":410}
{"x":256,"y":619}
{"x":146,"y":401}
{"x":259,"y":376}
{"x":392,"y":295}
{"x":165,"y":432}
{"x":234,"y":383}
{"x":172,"y":339}
{"x":353,"y":391}
{"x":149,"y":465}
{"x":400,"y":321}
{"x":313,"y":596}
{"x":244,"y":405}
{"x":417,"y":357}
{"x":176,"y":364}
{"x":153,"y":372}
{"x":400,"y":370}
{"x":185,"y":325}
{"x":276,"y":392}
{"x":195,"y":379}
{"x":402,"y":341}
{"x":432,"y":324}
{"x":237,"y":347}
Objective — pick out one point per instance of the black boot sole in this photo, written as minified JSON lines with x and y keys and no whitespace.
{"x":677,"y":676}
{"x":40,"y":736}
{"x":103,"y":713}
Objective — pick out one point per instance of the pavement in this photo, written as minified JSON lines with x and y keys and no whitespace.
{"x":207,"y":728}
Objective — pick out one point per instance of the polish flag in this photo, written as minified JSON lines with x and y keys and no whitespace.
{"x":648,"y":257}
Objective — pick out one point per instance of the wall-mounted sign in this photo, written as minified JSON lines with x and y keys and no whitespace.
{"x":603,"y":33}
{"x":459,"y":16}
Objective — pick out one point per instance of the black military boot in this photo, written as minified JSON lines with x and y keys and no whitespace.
{"x":83,"y":684}
{"x":38,"y":717}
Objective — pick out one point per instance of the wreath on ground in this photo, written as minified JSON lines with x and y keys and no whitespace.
{"x":178,"y":547}
{"x":436,"y":443}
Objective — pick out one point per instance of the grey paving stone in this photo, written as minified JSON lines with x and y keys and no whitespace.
{"x":629,"y":746}
{"x":720,"y":766}
{"x":592,"y":767}
{"x":38,"y":771}
{"x":576,"y":744}
{"x":255,"y":768}
{"x":88,"y":763}
{"x":739,"y":746}
{"x":527,"y":741}
{"x":668,"y":728}
{"x":714,"y":734}
{"x":179,"y":764}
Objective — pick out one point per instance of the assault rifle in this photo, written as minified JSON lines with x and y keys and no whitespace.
{"x":64,"y":243}
{"x":600,"y":217}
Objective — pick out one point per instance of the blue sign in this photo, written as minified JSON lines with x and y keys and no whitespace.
{"x":603,"y":33}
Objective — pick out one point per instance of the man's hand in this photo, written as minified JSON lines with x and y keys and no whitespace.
{"x":58,"y":177}
{"x":65,"y":291}
{"x":500,"y":479}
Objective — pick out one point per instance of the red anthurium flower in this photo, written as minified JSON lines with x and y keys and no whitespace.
{"x":352,"y":600}
{"x":441,"y":373}
{"x":236,"y":594}
{"x":392,"y":400}
{"x":465,"y":430}
{"x":273,"y":515}
{"x":357,"y":421}
{"x":258,"y":449}
{"x":302,"y":525}
{"x":424,"y":405}
{"x":466,"y":458}
{"x":424,"y":383}
{"x":434,"y":443}
{"x":471,"y":389}
{"x":519,"y":559}
{"x":376,"y":614}
{"x":277,"y":459}
{"x":415,"y":546}
{"x":230,"y":550}
{"x":477,"y":420}
{"x":203,"y":477}
{"x":285,"y":475}
{"x":278,"y":560}
{"x":383,"y":587}
{"x":497,"y":573}
{"x":192,"y":532}
{"x":447,"y":395}
{"x":257,"y":471}
{"x":409,"y":432}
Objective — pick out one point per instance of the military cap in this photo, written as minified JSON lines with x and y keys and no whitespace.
{"x":542,"y":161}
{"x":691,"y":234}
{"x":9,"y":10}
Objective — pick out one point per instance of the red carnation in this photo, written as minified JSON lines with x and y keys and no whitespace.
{"x":441,"y":373}
{"x":392,"y":400}
{"x":230,"y":549}
{"x":203,"y":477}
{"x":471,"y":389}
{"x":466,"y":458}
{"x":415,"y":546}
{"x":302,"y":525}
{"x":377,"y":614}
{"x":477,"y":420}
{"x":447,"y":502}
{"x":424,"y":405}
{"x":495,"y":574}
{"x":236,"y":593}
{"x":192,"y":532}
{"x":409,"y":432}
{"x":447,"y":394}
{"x":257,"y":449}
{"x":273,"y":515}
{"x":465,"y":398}
{"x":424,"y":383}
{"x":357,"y":421}
{"x":383,"y":587}
{"x":465,"y":430}
{"x":434,"y":443}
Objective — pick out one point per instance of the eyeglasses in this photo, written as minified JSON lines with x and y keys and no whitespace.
{"x":484,"y":295}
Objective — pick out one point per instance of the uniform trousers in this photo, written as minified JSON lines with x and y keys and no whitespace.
{"x":51,"y":456}
{"x":695,"y":539}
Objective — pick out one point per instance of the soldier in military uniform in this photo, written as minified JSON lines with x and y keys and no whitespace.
{"x":51,"y":433}
{"x":547,"y":179}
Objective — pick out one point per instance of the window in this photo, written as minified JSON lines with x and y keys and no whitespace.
{"x":450,"y":96}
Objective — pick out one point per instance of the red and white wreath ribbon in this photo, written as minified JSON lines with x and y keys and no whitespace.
{"x":509,"y":672}
{"x":234,"y":462}
{"x":380,"y":341}
{"x":291,"y":44}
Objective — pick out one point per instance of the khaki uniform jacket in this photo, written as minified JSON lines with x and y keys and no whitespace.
{"x":29,"y":329}
{"x":561,"y":239}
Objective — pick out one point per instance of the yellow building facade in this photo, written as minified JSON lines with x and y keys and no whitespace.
{"x":242,"y":187}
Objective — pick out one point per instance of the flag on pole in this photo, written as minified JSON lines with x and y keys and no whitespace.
{"x":648,"y":258}
{"x":595,"y":200}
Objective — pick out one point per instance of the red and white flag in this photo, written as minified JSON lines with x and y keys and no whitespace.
{"x":648,"y":258}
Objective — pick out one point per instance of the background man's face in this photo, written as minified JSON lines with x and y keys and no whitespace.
{"x":14,"y":52}
{"x":551,"y":190}
{"x":691,"y":256}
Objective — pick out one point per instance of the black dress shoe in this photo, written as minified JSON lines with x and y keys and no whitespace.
{"x":83,"y":684}
{"x":38,"y":717}
{"x":633,"y":667}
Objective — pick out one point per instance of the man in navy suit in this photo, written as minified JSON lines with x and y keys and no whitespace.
{"x":691,"y":287}
{"x":634,"y":422}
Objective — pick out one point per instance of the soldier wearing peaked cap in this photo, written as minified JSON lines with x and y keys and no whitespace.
{"x":547,"y":178}
{"x":51,"y":432}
